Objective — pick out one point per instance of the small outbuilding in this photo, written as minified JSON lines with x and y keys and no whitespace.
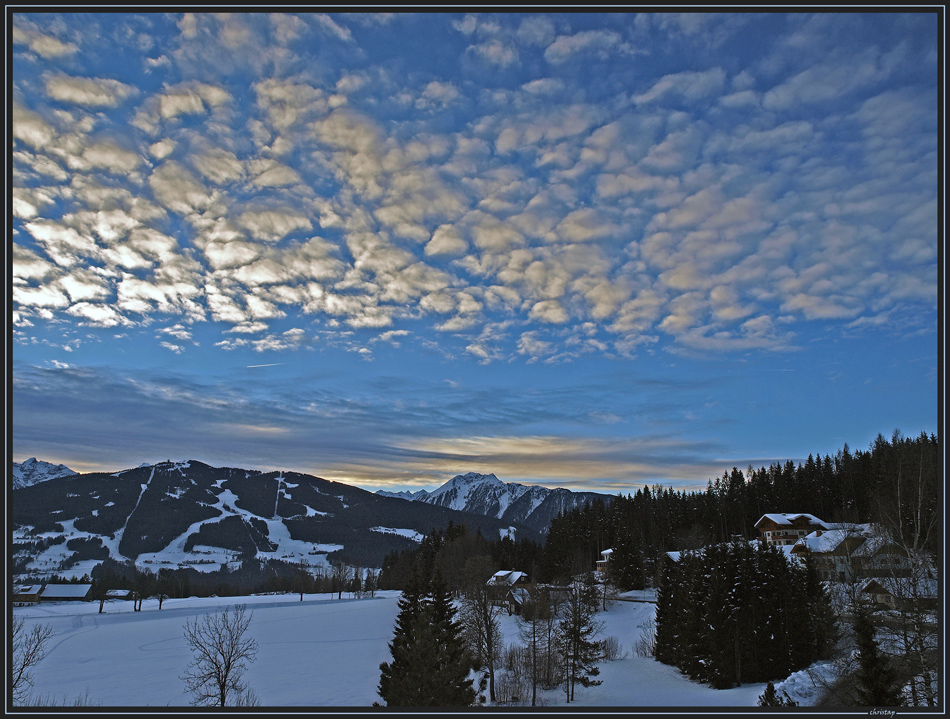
{"x":603,"y":564}
{"x":28,"y":594}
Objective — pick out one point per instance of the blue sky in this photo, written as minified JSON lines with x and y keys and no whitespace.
{"x":585,"y":250}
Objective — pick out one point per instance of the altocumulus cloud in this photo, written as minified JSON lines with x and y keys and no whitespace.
{"x":534,"y":188}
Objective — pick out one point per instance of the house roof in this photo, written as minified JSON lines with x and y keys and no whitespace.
{"x":872,"y":585}
{"x":874,"y":544}
{"x":28,"y":589}
{"x":506,"y":576}
{"x":606,"y":553}
{"x":924,"y":588}
{"x":785,"y":520}
{"x":66,"y":591}
{"x":823,"y":541}
{"x":520,"y":595}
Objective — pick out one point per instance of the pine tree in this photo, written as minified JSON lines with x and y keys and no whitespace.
{"x":430,"y":664}
{"x":877,"y":682}
{"x":771,"y":698}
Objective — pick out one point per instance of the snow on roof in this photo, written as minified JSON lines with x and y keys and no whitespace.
{"x":905,"y":587}
{"x":506,"y":576}
{"x":29,"y":589}
{"x":824,"y":542}
{"x":828,"y":540}
{"x":520,"y":595}
{"x":606,"y":552}
{"x":66,"y":591}
{"x":785,"y":520}
{"x":873,"y":543}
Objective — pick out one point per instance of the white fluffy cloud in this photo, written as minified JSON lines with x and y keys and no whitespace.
{"x":88,"y":91}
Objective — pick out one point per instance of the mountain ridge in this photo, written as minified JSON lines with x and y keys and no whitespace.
{"x":32,"y":471}
{"x":532,"y":505}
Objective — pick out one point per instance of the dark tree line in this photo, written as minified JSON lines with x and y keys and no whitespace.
{"x":448,"y":552}
{"x":739,"y":613}
{"x":893,"y":483}
{"x":252,"y":577}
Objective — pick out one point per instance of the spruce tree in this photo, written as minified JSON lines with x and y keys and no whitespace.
{"x":626,"y":562}
{"x":576,"y":631}
{"x":395,"y":681}
{"x":452,"y":663}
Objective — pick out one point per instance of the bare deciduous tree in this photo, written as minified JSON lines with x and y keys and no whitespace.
{"x":342,"y":574}
{"x":29,"y":647}
{"x":221,"y":649}
{"x":479,"y":616}
{"x":372,"y":581}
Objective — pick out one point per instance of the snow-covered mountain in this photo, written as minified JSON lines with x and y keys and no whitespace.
{"x":487,"y":495}
{"x":33,"y":470}
{"x":189,"y":514}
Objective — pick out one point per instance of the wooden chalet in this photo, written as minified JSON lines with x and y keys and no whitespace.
{"x":786,"y":529}
{"x":502,"y":582}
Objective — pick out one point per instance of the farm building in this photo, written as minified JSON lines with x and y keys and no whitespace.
{"x":65,"y":592}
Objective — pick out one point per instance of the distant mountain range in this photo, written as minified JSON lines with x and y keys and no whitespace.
{"x":32,"y":471}
{"x":189,"y":514}
{"x":487,"y":495}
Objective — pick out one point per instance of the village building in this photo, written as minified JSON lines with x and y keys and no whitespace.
{"x":786,"y":529}
{"x":502,"y":582}
{"x":852,"y":551}
{"x":901,"y":593}
{"x":603,"y":564}
{"x":831,"y":551}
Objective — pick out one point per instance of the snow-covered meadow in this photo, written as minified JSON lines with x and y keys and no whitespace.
{"x":319,"y":652}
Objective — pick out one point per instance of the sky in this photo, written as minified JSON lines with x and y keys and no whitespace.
{"x":337,"y":645}
{"x":587,"y":250}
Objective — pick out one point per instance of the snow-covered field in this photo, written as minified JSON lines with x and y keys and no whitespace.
{"x":319,"y":652}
